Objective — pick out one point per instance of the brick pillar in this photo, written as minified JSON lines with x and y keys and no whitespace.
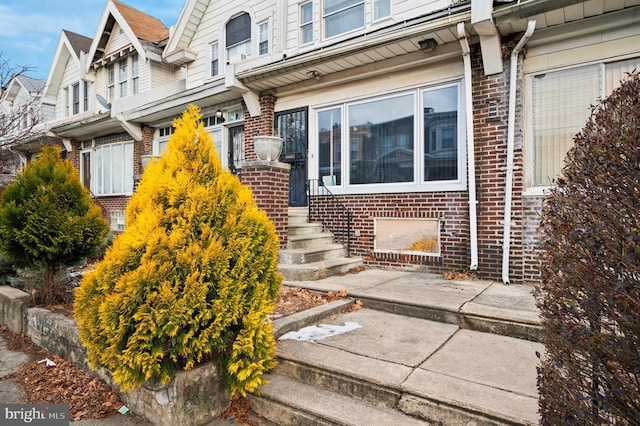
{"x":260,"y":125}
{"x":269,"y":181}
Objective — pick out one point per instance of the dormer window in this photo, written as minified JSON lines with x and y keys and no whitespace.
{"x":238,"y":36}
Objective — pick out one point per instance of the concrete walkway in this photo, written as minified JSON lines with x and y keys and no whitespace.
{"x":468,"y":344}
{"x":447,"y":350}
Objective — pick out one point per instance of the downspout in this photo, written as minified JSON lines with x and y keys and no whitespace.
{"x":471,"y":160}
{"x":508,"y":186}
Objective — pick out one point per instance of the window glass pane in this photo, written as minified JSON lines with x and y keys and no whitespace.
{"x":306,"y":23}
{"x":617,"y":72}
{"x":330,"y":146}
{"x":117,"y":171}
{"x":128,"y":168}
{"x":381,"y":135}
{"x":381,"y":9}
{"x":561,"y":106}
{"x":238,"y":30}
{"x":440,"y":134}
{"x":264,"y":38}
{"x":341,"y":21}
{"x":214,"y":60}
{"x":216,"y":135}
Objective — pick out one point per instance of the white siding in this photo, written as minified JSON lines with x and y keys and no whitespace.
{"x":71,"y":75}
{"x":161,"y":74}
{"x":401,"y":10}
{"x":212,"y":26}
{"x":117,"y":41}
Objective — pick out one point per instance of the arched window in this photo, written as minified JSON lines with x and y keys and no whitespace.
{"x":238,"y":36}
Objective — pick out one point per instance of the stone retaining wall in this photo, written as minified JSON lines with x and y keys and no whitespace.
{"x":194,"y":397}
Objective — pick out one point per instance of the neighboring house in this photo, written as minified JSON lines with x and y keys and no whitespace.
{"x":21,"y":132}
{"x":400,"y":107}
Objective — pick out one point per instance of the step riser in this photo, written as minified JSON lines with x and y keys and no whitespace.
{"x":298,"y":219}
{"x":441,"y":414}
{"x":370,"y":393}
{"x":301,"y":258}
{"x":309,"y":228}
{"x":316,"y":274}
{"x":310,"y":242}
{"x":284,"y":415}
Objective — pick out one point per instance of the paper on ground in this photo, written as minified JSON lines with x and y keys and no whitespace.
{"x":319,"y":332}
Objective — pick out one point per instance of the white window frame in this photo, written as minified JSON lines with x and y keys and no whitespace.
{"x":214,"y":56}
{"x":534,"y":188}
{"x":264,"y":37}
{"x":135,"y":73}
{"x":123,"y":74}
{"x":244,"y":48}
{"x":325,"y":16}
{"x":376,"y":7}
{"x":304,"y":25}
{"x":75,"y":98}
{"x":99,"y":173}
{"x":110,"y":71}
{"x":419,"y":184}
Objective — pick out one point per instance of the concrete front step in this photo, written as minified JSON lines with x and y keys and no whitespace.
{"x":320,"y":269}
{"x":288,"y":402}
{"x":318,"y":239}
{"x":304,"y":228}
{"x":311,"y":254}
{"x":394,"y":365}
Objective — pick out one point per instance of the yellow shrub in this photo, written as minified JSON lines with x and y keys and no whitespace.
{"x":192,"y":278}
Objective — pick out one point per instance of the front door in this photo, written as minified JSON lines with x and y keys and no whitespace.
{"x":236,"y":148}
{"x":291,"y":126}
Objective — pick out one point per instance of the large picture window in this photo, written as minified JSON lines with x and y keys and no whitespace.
{"x":413,"y":140}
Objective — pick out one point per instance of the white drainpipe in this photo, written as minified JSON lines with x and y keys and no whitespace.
{"x":471,"y":160}
{"x":508,"y":186}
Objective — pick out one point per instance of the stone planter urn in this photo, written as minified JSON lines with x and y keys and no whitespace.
{"x":267,"y":147}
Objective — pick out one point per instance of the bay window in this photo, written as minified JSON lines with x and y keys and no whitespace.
{"x":412,"y":140}
{"x":109,"y":166}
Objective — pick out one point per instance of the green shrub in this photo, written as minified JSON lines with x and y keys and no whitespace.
{"x":48,"y":219}
{"x":192,"y":278}
{"x":590,"y":292}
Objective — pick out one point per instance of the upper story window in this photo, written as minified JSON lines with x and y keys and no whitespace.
{"x":306,"y":22}
{"x":65,"y":101}
{"x":560,"y":105}
{"x":411,"y":139}
{"x":341,"y":16}
{"x":85,"y":95}
{"x":135,"y":78}
{"x":214,"y":63}
{"x":381,"y":9}
{"x":122,"y":77}
{"x":111,"y":81}
{"x":263,"y":44}
{"x":75,"y":90}
{"x":238,"y":36}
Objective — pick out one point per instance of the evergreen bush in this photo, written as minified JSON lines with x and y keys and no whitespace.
{"x":48,"y":219}
{"x":590,"y":292}
{"x":192,"y":278}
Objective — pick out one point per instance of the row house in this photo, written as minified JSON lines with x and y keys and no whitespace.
{"x":438,"y":124}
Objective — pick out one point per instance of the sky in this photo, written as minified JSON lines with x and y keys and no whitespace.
{"x":30,"y":29}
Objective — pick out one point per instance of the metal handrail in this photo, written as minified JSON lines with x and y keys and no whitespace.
{"x":326,"y":208}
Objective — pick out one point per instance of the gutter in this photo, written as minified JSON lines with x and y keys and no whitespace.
{"x":471,"y":160}
{"x":508,"y":190}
